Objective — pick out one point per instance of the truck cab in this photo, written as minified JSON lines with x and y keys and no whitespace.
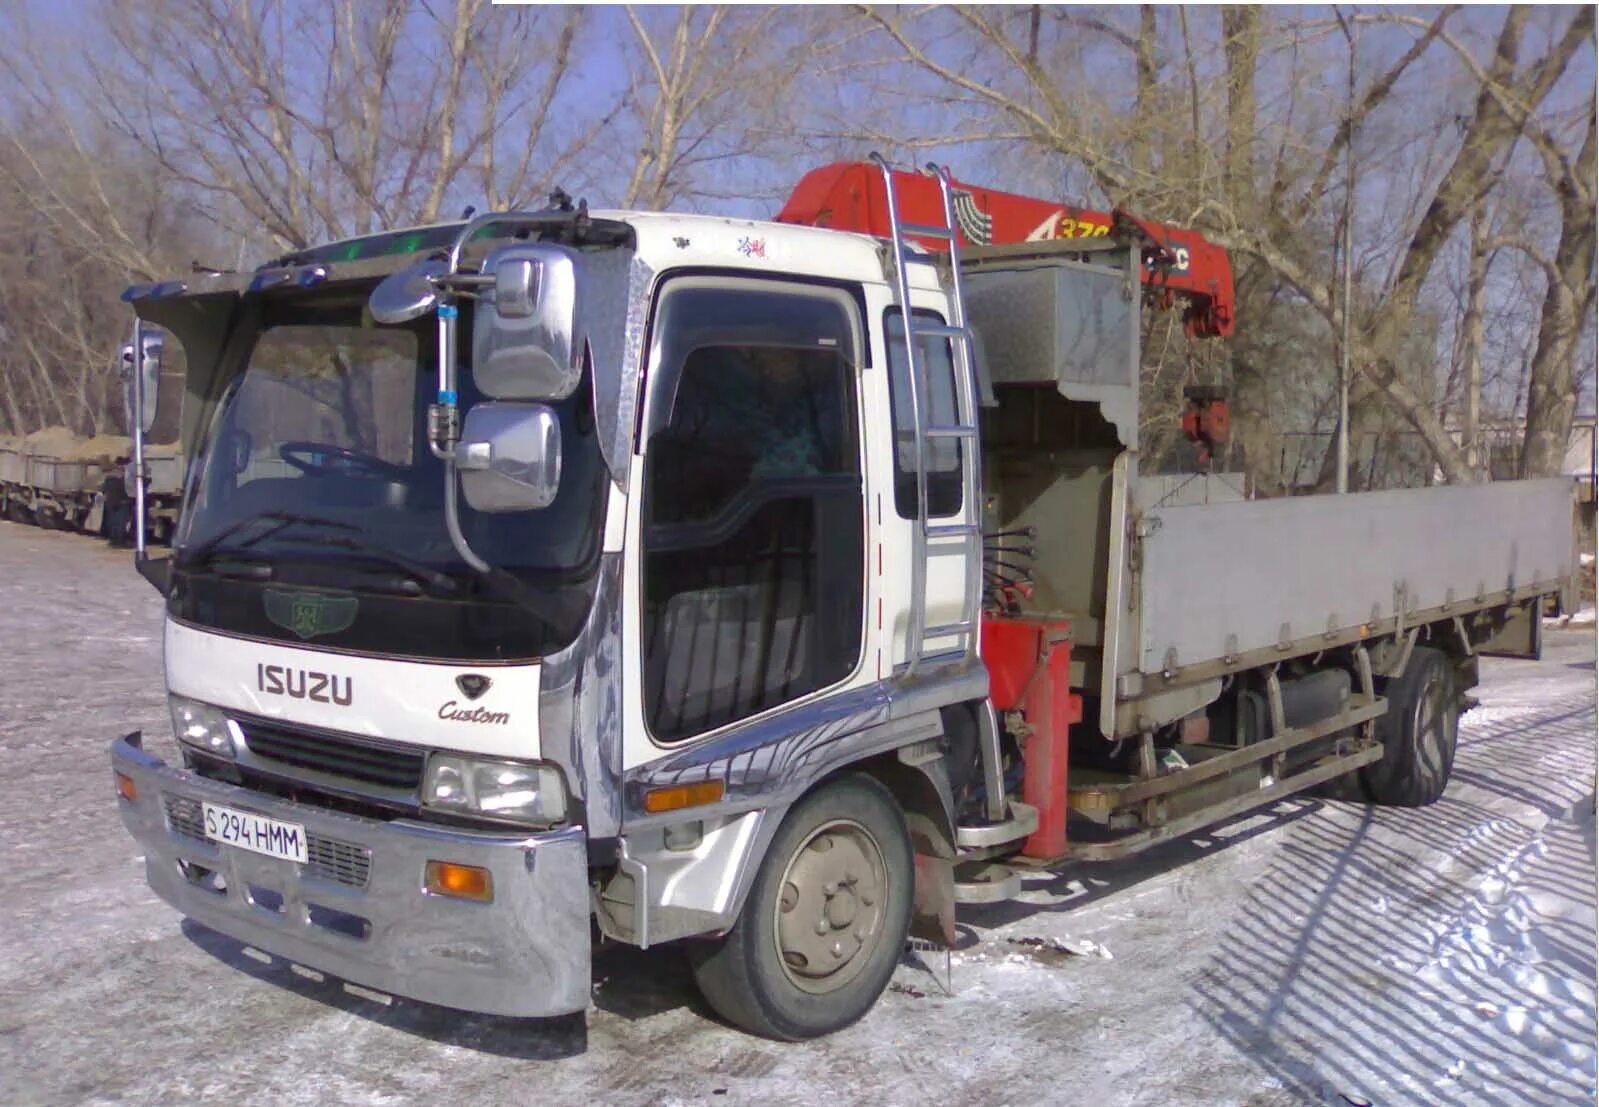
{"x":440,"y":702}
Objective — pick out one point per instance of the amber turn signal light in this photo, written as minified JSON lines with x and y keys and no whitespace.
{"x":126,"y":788}
{"x":445,"y":878}
{"x":659,"y":800}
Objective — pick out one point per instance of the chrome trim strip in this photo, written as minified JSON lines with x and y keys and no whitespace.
{"x":619,"y":308}
{"x":772,"y":760}
{"x":580,"y":706}
{"x":766,"y":766}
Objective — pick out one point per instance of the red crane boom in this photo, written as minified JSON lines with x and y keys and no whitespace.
{"x":1178,"y":263}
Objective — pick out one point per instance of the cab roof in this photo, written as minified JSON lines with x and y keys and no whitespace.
{"x":662,"y":240}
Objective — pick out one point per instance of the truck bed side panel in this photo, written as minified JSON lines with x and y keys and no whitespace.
{"x":1234,"y":577}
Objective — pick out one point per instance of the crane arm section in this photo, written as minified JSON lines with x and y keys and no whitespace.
{"x":1179,"y":264}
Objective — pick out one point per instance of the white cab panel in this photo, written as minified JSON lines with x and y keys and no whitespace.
{"x":402,"y":701}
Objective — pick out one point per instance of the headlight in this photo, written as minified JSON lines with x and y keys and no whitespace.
{"x":202,"y":726}
{"x":518,"y":791}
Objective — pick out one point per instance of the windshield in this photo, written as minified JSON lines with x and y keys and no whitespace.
{"x":316,"y":472}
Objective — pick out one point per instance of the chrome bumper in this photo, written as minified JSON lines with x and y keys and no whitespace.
{"x":357,"y":910}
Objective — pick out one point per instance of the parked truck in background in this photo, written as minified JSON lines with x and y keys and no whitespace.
{"x":56,"y":480}
{"x":59,"y":480}
{"x":692,"y":580}
{"x":51,"y":478}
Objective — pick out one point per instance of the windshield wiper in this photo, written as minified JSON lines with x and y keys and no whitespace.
{"x":439,"y":581}
{"x":217,"y":546}
{"x":197,"y":555}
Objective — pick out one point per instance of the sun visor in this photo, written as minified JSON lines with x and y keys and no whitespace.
{"x":197,"y":326}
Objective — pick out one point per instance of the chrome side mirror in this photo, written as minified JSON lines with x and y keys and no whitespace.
{"x":149,"y":369}
{"x":401,"y":297}
{"x":527,"y":338}
{"x":509,"y":457}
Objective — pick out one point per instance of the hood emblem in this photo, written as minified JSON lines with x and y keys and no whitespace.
{"x":308,"y":614}
{"x":472,"y":685}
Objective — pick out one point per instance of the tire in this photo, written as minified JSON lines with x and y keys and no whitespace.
{"x":771,"y":974}
{"x":1418,"y":734}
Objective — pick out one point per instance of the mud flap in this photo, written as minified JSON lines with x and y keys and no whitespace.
{"x":933,"y":906}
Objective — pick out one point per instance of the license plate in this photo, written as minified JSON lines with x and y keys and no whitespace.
{"x":256,"y":833}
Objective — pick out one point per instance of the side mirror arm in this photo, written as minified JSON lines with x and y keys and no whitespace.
{"x":140,"y":522}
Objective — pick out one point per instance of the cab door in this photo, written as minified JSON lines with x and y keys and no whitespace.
{"x":748,"y":562}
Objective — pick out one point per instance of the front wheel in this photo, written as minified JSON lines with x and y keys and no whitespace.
{"x":825,"y":921}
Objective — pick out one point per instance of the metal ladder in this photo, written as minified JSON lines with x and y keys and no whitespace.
{"x":970,"y":529}
{"x":978,"y":879}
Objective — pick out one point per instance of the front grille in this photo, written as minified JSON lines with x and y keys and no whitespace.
{"x":328,"y":858}
{"x":341,"y":862}
{"x":186,"y":817}
{"x":371,"y":763}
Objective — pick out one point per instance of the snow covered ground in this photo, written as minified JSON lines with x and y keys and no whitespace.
{"x":1316,"y":953}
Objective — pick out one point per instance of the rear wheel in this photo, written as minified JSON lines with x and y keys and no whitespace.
{"x":825,"y":921}
{"x":1418,"y":734}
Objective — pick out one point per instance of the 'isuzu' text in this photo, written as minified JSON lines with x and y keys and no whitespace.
{"x":304,"y":684}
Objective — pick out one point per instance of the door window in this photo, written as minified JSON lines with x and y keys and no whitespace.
{"x":942,"y":455}
{"x":753,"y":553}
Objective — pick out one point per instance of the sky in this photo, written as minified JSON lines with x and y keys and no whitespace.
{"x":1389,"y":150}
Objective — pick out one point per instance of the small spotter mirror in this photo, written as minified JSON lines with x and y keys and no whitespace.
{"x":527,"y":341}
{"x":509,"y":457}
{"x":403,"y":296}
{"x":149,"y":369}
{"x":516,"y":287}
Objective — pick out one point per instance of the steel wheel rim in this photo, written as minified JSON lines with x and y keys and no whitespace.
{"x":830,"y":907}
{"x":1427,"y":724}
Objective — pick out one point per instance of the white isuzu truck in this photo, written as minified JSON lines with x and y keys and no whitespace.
{"x":558,"y":577}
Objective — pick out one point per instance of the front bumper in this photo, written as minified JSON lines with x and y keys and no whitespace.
{"x":357,"y":910}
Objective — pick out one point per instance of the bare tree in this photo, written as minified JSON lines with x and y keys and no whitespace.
{"x":1471,"y":338}
{"x":1568,"y":303}
{"x":164,"y":131}
{"x":710,"y":92}
{"x":221,"y":130}
{"x":309,"y":122}
{"x":72,"y":249}
{"x":1273,"y":202}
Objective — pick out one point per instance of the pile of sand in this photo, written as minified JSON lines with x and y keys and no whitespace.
{"x":102,"y":447}
{"x":50,"y":442}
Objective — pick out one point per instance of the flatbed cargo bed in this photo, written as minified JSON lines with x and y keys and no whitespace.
{"x":1221,"y":581}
